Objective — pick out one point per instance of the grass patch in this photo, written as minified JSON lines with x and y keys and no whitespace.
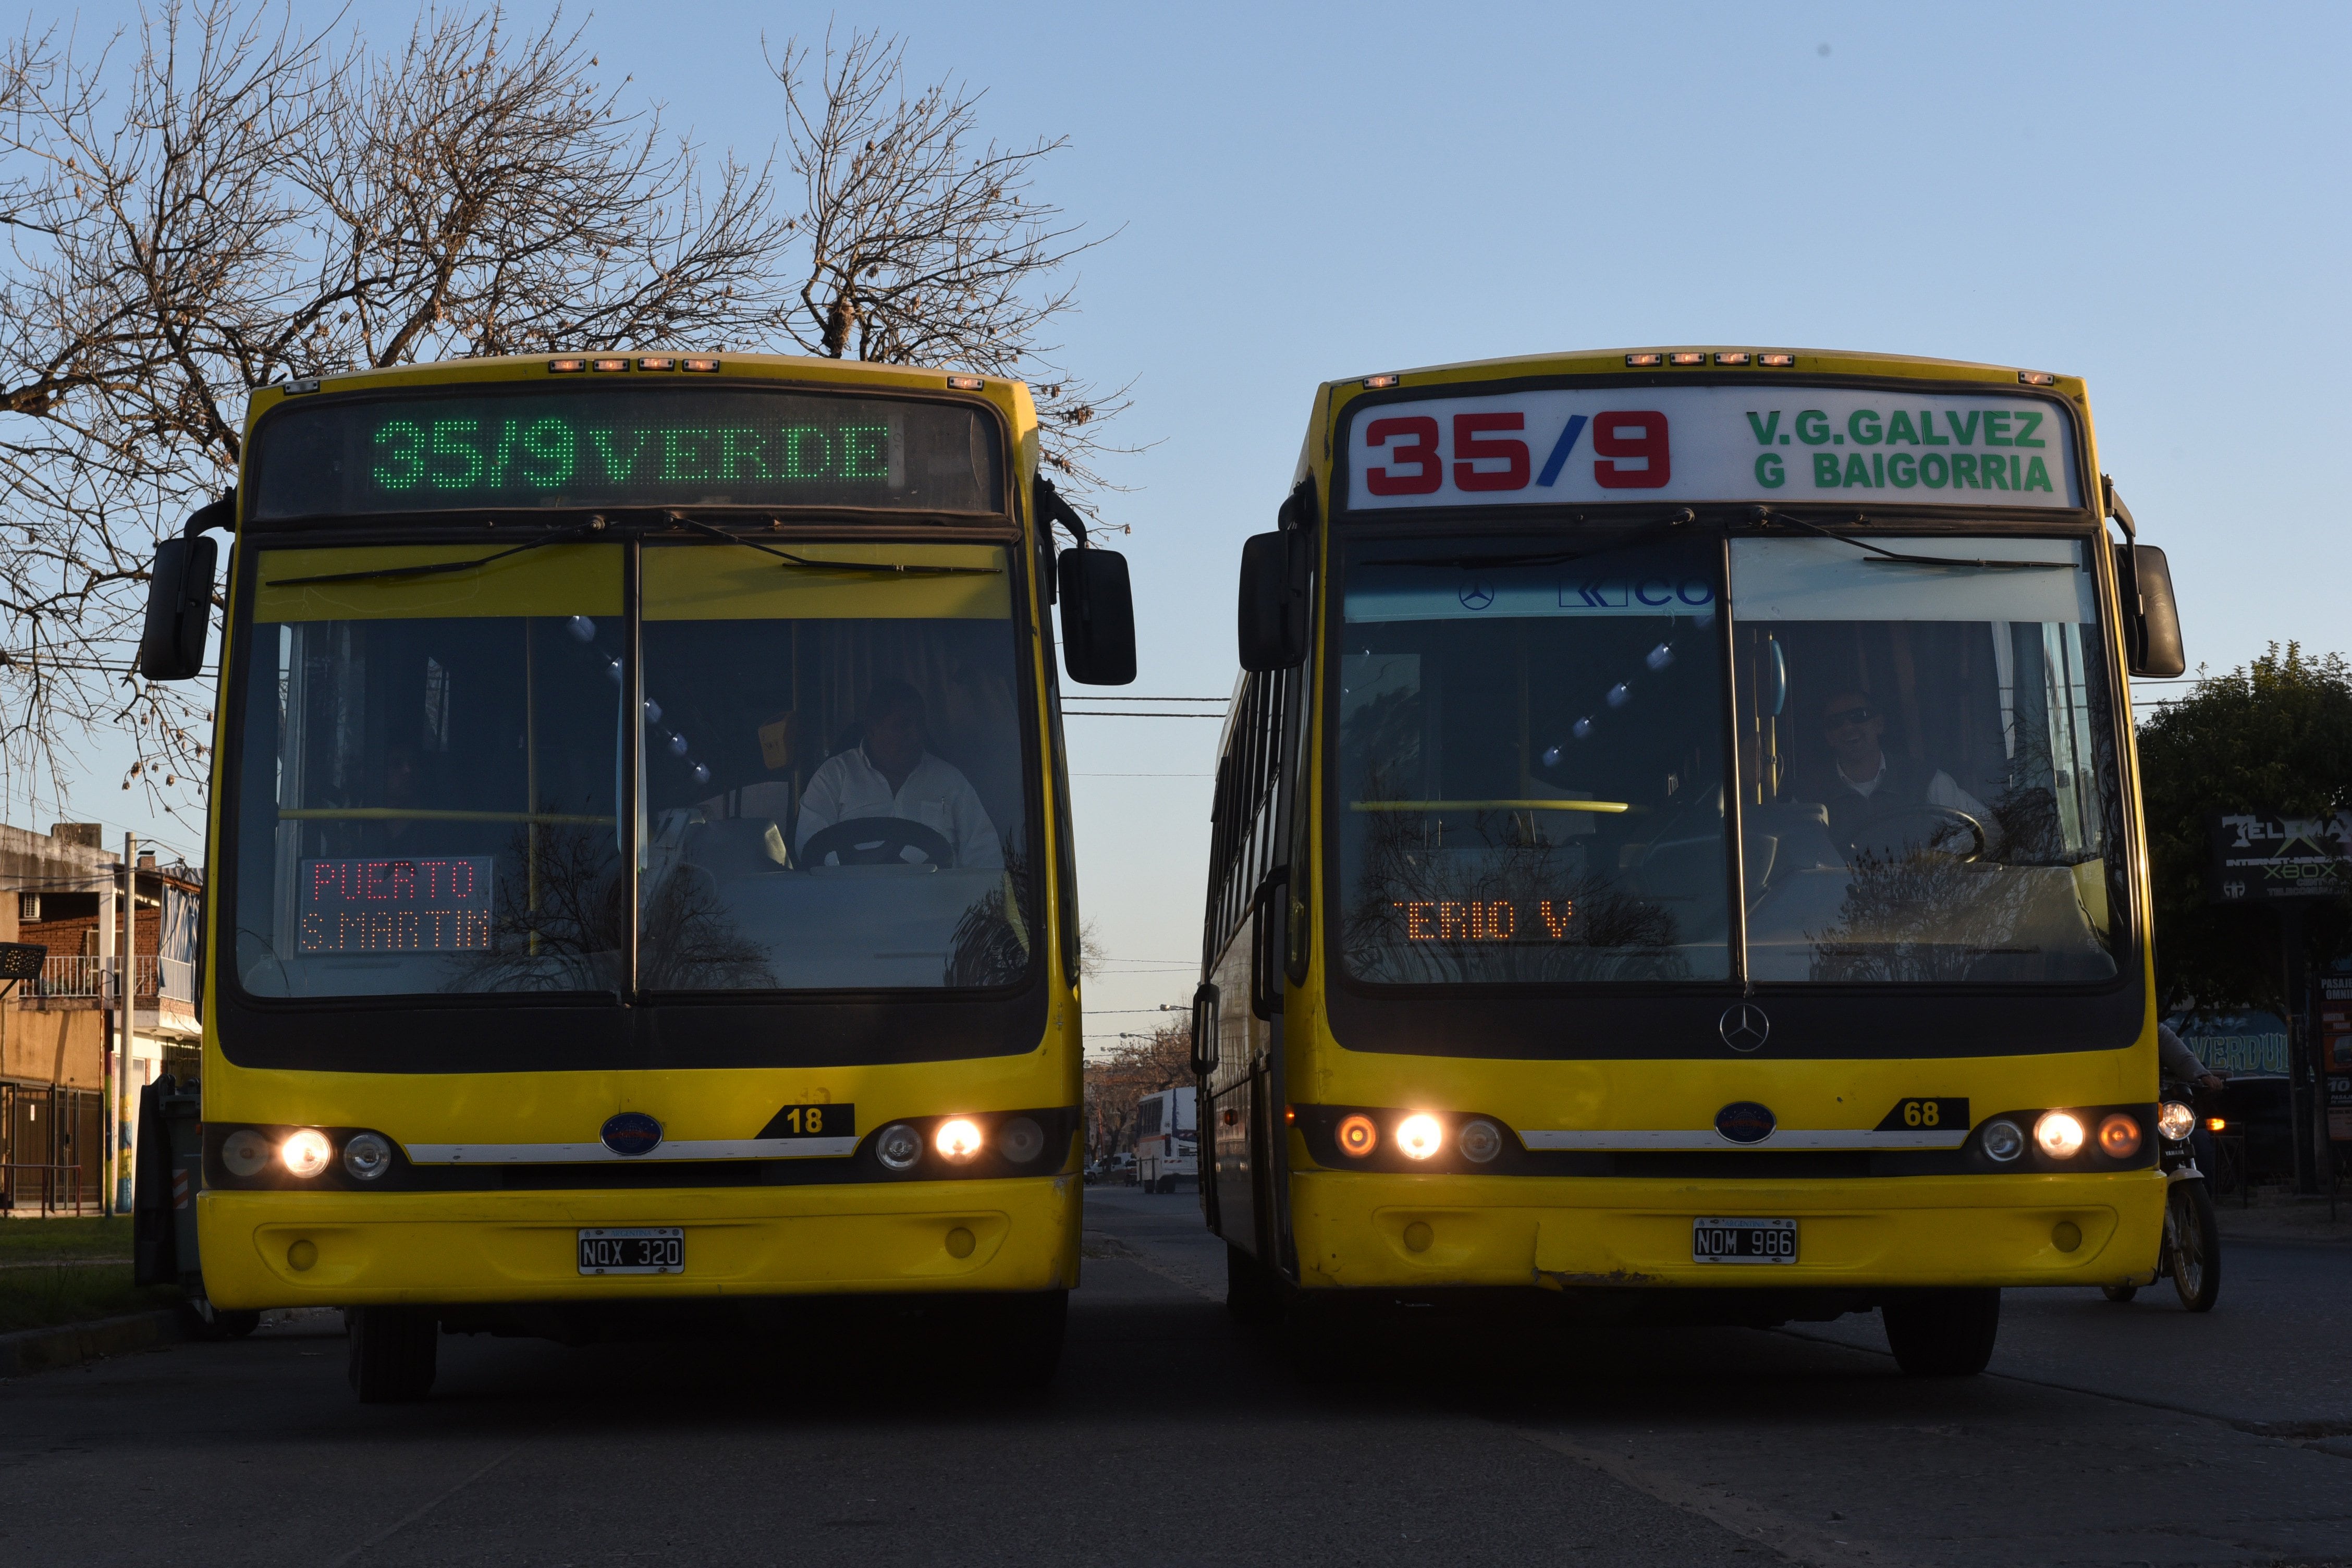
{"x":41,"y":1297}
{"x":41,"y":1240}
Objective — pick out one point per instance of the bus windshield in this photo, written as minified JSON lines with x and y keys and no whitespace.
{"x":1531,"y":779}
{"x":830,"y":786}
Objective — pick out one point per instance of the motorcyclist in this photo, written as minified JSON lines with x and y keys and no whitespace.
{"x":2176,"y":1063}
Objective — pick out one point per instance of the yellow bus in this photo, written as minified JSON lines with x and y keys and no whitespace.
{"x":1677,"y":845}
{"x":641,"y":860}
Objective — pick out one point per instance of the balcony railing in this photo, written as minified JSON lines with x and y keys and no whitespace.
{"x":100,"y":979}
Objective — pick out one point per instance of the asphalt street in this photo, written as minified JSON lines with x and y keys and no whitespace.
{"x":2105,"y":1433}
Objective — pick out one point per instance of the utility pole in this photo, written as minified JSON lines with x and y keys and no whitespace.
{"x":126,"y":1102}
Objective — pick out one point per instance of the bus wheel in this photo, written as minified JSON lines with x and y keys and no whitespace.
{"x":1250,"y":1294}
{"x":1943,"y":1333}
{"x":2118,"y":1292}
{"x":393,"y":1351}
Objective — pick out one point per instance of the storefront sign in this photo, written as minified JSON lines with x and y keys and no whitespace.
{"x":2256,"y":859}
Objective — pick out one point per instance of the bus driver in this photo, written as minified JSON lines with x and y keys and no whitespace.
{"x":1863,"y":785}
{"x":889,"y":772}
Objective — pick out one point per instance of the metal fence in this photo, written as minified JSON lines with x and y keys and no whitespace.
{"x":54,"y":1189}
{"x":100,"y":978}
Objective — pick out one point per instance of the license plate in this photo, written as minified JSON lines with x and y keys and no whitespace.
{"x":1743,"y":1241}
{"x":656,"y":1249}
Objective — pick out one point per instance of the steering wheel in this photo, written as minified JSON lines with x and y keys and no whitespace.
{"x":876,"y":841}
{"x":1879,"y":839}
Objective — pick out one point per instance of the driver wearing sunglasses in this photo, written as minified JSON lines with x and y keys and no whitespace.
{"x":1865,"y":784}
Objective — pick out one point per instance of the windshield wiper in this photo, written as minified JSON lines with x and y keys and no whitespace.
{"x":1537,"y":558}
{"x":1881,"y":556}
{"x":435,"y":569}
{"x":862,"y":568}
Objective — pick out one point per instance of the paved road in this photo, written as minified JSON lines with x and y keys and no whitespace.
{"x":2107,"y":1435}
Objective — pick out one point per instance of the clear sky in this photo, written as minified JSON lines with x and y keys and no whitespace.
{"x":2152,"y":196}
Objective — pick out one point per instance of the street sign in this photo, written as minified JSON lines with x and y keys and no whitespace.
{"x":2257,"y":859}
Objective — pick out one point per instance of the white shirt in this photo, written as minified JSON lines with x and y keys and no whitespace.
{"x":1942,"y":790}
{"x":936,"y":795}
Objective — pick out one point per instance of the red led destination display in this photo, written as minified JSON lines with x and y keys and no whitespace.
{"x":438,"y":904}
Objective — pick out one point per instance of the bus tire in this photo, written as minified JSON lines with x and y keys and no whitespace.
{"x":1250,"y":1293}
{"x":392,"y":1353}
{"x":1943,"y":1333}
{"x":2118,"y":1292}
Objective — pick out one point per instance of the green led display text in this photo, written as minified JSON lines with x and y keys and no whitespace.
{"x":550,"y":453}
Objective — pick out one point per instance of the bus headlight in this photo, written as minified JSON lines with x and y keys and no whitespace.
{"x":898,"y":1147}
{"x":1480,"y":1140}
{"x":2118,"y":1137}
{"x":2060,"y":1134}
{"x":305,"y":1152}
{"x":958,"y":1139}
{"x":1359,"y":1136}
{"x":245,"y":1152}
{"x":2176,"y":1121}
{"x":367,"y":1155}
{"x":2003,"y":1141}
{"x":1420,"y":1135}
{"x":1021,"y":1140}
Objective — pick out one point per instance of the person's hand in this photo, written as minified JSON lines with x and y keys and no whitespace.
{"x":2211,"y":1081}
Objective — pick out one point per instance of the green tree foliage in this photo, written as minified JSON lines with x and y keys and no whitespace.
{"x":2273,"y":736}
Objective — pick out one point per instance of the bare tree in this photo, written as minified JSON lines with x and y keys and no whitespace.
{"x":921,"y":242}
{"x":214,"y":203}
{"x":1118,"y":1079}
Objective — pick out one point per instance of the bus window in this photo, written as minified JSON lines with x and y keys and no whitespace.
{"x":425,"y":800}
{"x":1928,"y":770}
{"x":835,"y":791}
{"x":1530,"y":770}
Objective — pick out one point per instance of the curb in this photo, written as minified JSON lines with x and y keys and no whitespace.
{"x":41,"y":1350}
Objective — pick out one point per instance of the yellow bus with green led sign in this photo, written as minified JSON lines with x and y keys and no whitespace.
{"x":640,"y":847}
{"x":1677,"y":847}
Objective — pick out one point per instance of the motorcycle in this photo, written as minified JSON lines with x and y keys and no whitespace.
{"x":2190,"y":1254}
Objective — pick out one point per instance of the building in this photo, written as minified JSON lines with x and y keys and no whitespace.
{"x":64,"y":890}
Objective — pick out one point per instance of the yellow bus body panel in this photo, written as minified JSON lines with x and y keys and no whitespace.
{"x":1349,"y":1227}
{"x":427,"y":1248}
{"x":443,"y":1249}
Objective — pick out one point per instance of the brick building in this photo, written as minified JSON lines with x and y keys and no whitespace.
{"x":64,"y":890}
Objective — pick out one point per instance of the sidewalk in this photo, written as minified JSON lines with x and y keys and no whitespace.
{"x":2284,"y":1217}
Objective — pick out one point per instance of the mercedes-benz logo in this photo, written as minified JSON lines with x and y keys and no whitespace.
{"x":1476,"y":595}
{"x":1744,"y":1027}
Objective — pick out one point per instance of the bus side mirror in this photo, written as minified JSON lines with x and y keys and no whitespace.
{"x":1098,"y":617}
{"x":1274,"y":621}
{"x":2152,"y":624}
{"x":179,"y":608}
{"x":1205,"y":1029}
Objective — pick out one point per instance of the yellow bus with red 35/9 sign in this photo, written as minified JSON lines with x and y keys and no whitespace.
{"x":642,"y":866}
{"x":1676,"y":846}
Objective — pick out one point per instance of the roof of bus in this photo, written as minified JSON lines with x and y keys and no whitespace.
{"x":1807,"y":362}
{"x":1012,"y":396}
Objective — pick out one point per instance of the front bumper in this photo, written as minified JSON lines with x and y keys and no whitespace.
{"x":432,"y":1248}
{"x":1377,"y":1231}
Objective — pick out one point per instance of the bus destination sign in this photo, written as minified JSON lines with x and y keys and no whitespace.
{"x":1757,"y":442}
{"x":424,"y":904}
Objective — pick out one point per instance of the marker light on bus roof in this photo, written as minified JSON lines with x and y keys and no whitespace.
{"x":658,"y":361}
{"x":566,"y":366}
{"x":1420,"y":1135}
{"x":1693,"y":358}
{"x":1386,"y":379}
{"x":704,"y":363}
{"x":2037,"y":378}
{"x":1776,"y":361}
{"x":1736,"y":356}
{"x":615,"y":362}
{"x":966,"y":382}
{"x":1640,"y":362}
{"x":2060,"y":1135}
